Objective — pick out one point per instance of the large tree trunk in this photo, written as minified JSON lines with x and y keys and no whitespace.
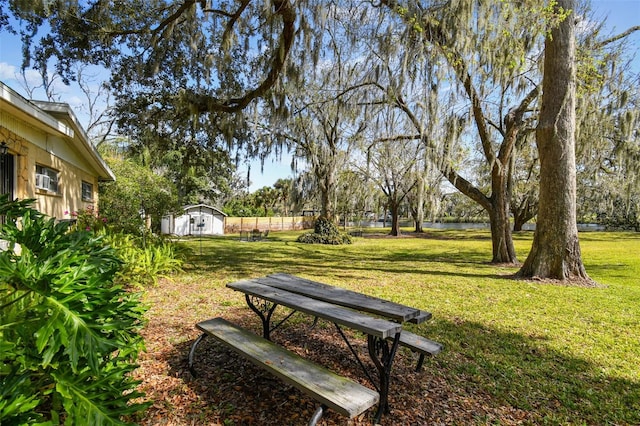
{"x":327,"y":193}
{"x":395,"y":222}
{"x":497,"y":207}
{"x":417,"y":211}
{"x":555,"y":252}
{"x":418,"y":220}
{"x":501,"y":237}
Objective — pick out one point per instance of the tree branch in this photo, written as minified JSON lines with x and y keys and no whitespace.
{"x":514,"y":122}
{"x":232,"y":21}
{"x":186,"y":5}
{"x":617,"y":37}
{"x":205,"y":103}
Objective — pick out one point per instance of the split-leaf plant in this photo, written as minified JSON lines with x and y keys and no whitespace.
{"x":69,"y":337}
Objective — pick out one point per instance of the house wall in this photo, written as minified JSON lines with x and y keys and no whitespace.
{"x":31,"y":146}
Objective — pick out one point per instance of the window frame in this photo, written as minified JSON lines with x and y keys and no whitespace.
{"x":82,"y":190}
{"x":54,"y":178}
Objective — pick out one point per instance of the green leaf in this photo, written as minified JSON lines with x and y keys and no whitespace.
{"x":71,"y":333}
{"x":99,"y":400}
{"x":17,"y":400}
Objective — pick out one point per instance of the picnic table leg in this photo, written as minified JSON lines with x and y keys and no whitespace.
{"x":193,"y":351}
{"x":420,"y":362}
{"x":264,"y":309}
{"x":317,"y":415}
{"x":382,"y":356}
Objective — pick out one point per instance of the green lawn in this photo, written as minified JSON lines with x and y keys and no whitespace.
{"x":555,"y":354}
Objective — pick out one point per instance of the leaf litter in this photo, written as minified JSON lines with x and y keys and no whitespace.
{"x":229,"y":390}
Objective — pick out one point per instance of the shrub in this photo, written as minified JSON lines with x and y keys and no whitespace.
{"x":69,"y":337}
{"x":89,"y":220}
{"x":144,"y":258}
{"x":144,"y":263}
{"x":324,"y":232}
{"x":136,"y":187}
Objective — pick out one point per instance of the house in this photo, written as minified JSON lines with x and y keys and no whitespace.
{"x":46,"y":155}
{"x":199,"y":219}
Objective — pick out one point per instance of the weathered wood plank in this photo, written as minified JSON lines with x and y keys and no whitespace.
{"x":336,"y":392}
{"x":420,"y":344}
{"x":345,"y":297}
{"x":357,"y":320}
{"x":422,"y":317}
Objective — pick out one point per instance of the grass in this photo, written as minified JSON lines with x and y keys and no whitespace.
{"x":559,"y":354}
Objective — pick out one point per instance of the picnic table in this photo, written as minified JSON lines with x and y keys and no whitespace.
{"x":379,"y":319}
{"x":255,"y":235}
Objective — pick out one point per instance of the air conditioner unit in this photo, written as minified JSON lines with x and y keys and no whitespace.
{"x":42,"y":181}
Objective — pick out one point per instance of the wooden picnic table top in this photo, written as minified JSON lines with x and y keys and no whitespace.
{"x":353,"y":319}
{"x":344,"y":308}
{"x":345,"y":297}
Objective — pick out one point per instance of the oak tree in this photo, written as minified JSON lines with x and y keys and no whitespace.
{"x":555,"y":252}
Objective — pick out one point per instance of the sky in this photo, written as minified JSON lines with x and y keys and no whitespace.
{"x":620,"y":14}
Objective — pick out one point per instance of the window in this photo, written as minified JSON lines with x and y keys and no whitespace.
{"x":46,"y":179}
{"x":87,"y":191}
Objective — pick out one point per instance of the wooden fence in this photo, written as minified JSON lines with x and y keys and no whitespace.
{"x":233,"y":225}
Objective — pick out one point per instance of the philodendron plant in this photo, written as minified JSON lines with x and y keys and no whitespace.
{"x":69,"y":337}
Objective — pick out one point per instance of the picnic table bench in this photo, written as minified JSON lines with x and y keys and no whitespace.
{"x":341,"y":307}
{"x":336,"y":392}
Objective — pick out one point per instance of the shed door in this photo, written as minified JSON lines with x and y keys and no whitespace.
{"x":201,"y":224}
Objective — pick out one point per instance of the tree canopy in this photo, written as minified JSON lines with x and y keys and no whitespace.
{"x":205,"y":83}
{"x":204,"y":45}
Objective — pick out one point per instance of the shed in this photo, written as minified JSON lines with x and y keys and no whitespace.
{"x":199,"y":219}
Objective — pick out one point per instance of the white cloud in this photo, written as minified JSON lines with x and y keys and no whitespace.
{"x":73,"y":101}
{"x":11,"y":73}
{"x":7,"y":72}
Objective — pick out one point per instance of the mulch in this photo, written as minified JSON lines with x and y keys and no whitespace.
{"x":229,"y":390}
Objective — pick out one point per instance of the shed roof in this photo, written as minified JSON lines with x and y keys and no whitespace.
{"x":185,"y":208}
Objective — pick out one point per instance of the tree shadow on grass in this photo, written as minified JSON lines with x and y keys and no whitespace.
{"x":264,"y":258}
{"x":524,"y":372}
{"x":611,"y":271}
{"x":436,"y":234}
{"x":483,"y":376}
